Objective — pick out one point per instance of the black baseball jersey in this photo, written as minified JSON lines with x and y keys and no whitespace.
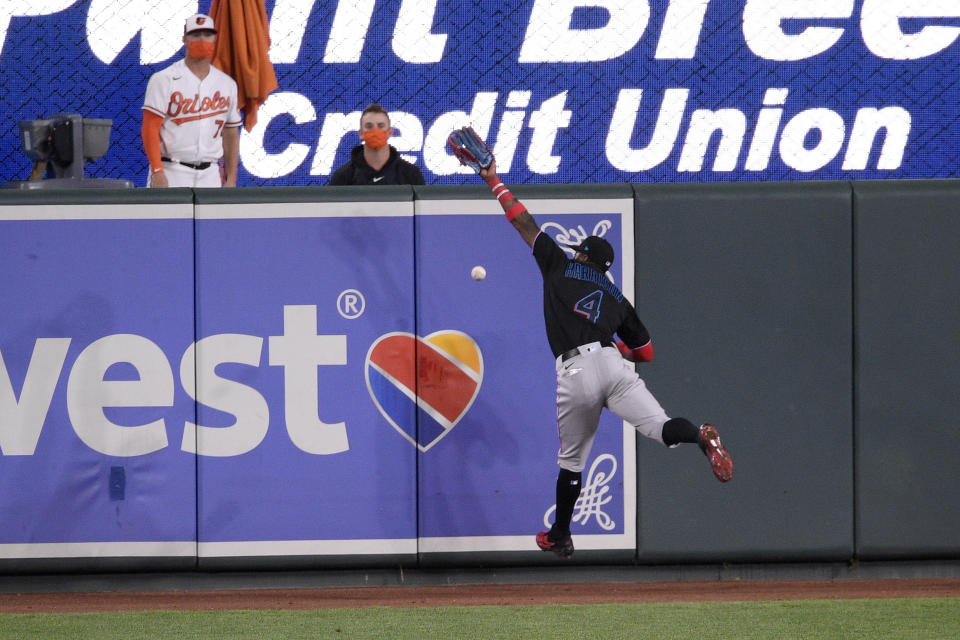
{"x":581,"y":304}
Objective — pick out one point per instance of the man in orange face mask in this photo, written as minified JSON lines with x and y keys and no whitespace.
{"x":190,"y":116}
{"x":376,"y":162}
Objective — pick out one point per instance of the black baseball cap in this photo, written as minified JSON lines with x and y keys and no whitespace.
{"x":597,"y":250}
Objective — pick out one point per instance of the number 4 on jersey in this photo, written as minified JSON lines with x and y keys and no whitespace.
{"x":589,"y":306}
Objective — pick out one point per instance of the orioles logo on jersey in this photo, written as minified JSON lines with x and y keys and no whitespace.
{"x":183,"y":109}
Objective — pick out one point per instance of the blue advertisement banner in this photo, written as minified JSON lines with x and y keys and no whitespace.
{"x":565,"y":91}
{"x":490,"y":483}
{"x":289,"y":304}
{"x":95,"y":312}
{"x":290,"y":379}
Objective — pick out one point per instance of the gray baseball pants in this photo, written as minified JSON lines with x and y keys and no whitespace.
{"x":586,"y":383}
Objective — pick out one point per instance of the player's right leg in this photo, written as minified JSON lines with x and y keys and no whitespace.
{"x":706,"y":436}
{"x":720,"y":460}
{"x":631,"y":400}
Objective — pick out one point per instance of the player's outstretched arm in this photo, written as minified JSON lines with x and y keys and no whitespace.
{"x":472,"y":151}
{"x":516,"y":213}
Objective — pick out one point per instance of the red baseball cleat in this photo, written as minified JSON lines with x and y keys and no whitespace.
{"x":720,"y":460}
{"x":563,"y":548}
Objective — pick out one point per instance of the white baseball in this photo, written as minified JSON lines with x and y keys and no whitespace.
{"x":478,"y":273}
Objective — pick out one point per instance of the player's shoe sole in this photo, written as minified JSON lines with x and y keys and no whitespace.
{"x":720,"y":460}
{"x":564,"y":548}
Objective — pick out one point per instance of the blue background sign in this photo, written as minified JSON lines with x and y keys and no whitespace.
{"x":85,"y":301}
{"x":290,"y":378}
{"x":565,"y":92}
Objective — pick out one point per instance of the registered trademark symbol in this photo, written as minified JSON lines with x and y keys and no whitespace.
{"x":351,"y":304}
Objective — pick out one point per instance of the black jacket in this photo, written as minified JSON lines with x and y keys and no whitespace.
{"x":357,"y":172}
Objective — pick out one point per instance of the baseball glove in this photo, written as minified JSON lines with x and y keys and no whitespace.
{"x":470,"y":149}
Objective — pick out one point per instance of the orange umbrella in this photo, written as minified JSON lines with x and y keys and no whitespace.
{"x":243,"y":43}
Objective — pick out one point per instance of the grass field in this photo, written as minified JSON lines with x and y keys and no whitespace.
{"x":933,"y":618}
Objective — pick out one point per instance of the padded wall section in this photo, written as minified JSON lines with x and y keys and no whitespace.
{"x":746,"y":291}
{"x":296,"y":464}
{"x":96,"y":309}
{"x":487,"y":432}
{"x":907,"y":323}
{"x":814,"y":323}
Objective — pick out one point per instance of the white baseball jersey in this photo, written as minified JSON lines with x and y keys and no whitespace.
{"x":194,"y":111}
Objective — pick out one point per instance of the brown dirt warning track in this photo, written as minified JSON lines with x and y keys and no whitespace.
{"x":472,"y":595}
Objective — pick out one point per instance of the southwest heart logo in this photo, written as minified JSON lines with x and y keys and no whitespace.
{"x":424,"y":386}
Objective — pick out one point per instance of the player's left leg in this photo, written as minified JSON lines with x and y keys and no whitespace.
{"x":558,"y":539}
{"x":580,"y":400}
{"x":579,"y":404}
{"x":577,"y":427}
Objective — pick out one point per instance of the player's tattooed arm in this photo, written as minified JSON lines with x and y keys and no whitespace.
{"x":527,"y":226}
{"x":516,"y":213}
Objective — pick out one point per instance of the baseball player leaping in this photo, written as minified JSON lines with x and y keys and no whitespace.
{"x":190,"y":116}
{"x":583,"y":311}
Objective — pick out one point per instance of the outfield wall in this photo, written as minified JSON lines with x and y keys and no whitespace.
{"x":228,"y":378}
